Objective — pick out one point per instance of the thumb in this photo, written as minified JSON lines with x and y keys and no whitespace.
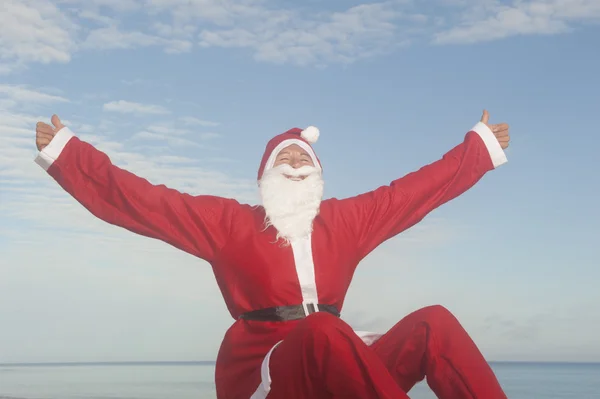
{"x":57,"y":123}
{"x":485,"y":117}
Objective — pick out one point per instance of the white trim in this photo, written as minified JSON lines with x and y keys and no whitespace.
{"x":264,"y":387}
{"x":491,"y":143}
{"x":288,"y":142}
{"x":52,"y":151}
{"x":305,"y":269}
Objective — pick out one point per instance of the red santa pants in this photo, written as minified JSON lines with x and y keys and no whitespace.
{"x":322,"y":358}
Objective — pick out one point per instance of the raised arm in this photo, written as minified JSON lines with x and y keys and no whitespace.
{"x":377,"y":216}
{"x":198,"y":225}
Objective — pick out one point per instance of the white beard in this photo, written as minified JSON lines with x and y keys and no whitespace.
{"x":291,"y":205}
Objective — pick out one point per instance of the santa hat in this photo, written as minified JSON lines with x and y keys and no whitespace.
{"x":303,"y":138}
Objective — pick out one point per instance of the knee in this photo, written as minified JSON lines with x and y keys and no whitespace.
{"x":438,"y":315}
{"x":438,"y":311}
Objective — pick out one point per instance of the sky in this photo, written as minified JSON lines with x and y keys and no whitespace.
{"x":187,"y":92}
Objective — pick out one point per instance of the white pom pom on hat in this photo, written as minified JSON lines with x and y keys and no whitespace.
{"x":310,"y":134}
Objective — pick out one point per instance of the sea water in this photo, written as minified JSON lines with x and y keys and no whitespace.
{"x":195,"y":381}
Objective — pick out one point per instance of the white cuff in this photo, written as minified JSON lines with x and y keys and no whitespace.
{"x":51,"y":152}
{"x":491,"y":143}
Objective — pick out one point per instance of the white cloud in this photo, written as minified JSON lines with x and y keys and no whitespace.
{"x":219,"y":12}
{"x":40,"y":31}
{"x":96,"y":17}
{"x":190,"y":120}
{"x":34,"y":31}
{"x":117,"y":5}
{"x":128,"y":107}
{"x":21,"y":94}
{"x":494,"y":20}
{"x":112,"y":38}
{"x":165,"y":138}
{"x":168,"y":130}
{"x":183,"y":30}
{"x":173,"y":136}
{"x":291,"y":37}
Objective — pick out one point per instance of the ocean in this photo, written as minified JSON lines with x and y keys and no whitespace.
{"x":194,"y":380}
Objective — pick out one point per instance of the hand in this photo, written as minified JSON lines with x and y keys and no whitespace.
{"x":44,"y":133}
{"x":500,"y":130}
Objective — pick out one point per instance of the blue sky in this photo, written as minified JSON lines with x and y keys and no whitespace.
{"x":187,"y":93}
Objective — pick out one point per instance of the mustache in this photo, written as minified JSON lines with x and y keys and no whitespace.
{"x":286,"y":169}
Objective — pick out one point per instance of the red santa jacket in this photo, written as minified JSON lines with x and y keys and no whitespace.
{"x":252,"y":272}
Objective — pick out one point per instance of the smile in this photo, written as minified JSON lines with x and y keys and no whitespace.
{"x":295,"y":178}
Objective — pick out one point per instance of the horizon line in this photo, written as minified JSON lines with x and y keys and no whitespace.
{"x":213,"y":362}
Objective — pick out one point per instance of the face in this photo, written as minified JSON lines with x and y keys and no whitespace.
{"x":295,"y":156}
{"x":291,"y":193}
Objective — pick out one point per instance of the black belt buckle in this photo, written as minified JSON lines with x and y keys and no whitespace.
{"x":309,"y":309}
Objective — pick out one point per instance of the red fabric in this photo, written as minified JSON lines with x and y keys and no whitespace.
{"x":275,"y":141}
{"x":322,"y":358}
{"x":252,"y":272}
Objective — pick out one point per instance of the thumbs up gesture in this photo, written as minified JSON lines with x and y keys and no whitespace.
{"x":44,"y":133}
{"x":500,"y":130}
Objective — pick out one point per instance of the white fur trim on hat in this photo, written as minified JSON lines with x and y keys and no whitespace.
{"x":310,"y":134}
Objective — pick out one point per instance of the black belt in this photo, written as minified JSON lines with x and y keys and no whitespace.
{"x":287,"y":313}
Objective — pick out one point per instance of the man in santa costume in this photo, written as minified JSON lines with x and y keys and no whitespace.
{"x":284,"y":267}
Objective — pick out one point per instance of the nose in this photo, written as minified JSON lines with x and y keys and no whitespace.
{"x":296,"y":163}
